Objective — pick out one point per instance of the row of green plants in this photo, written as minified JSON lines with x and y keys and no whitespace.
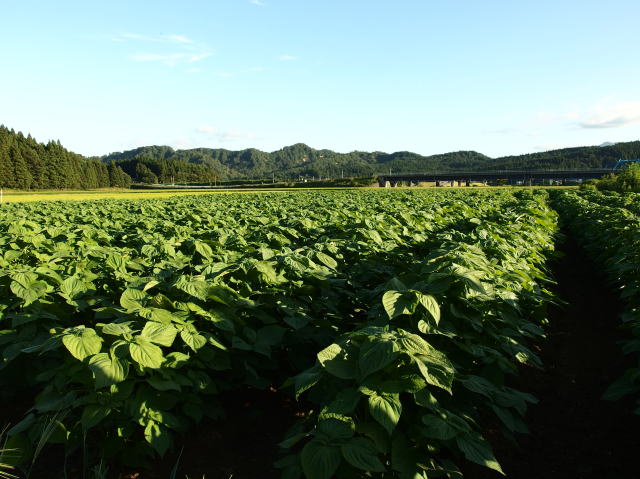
{"x":410,"y":392}
{"x":124,"y":321}
{"x":607,"y":224}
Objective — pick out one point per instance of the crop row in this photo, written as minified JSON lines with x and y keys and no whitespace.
{"x":125,"y":321}
{"x":608,"y":226}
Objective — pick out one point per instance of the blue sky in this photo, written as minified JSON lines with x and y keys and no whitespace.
{"x":499,"y":77}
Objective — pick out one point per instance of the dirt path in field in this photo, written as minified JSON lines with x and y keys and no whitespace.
{"x":574,"y":434}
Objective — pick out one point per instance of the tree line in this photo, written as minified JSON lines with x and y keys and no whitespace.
{"x":26,"y":164}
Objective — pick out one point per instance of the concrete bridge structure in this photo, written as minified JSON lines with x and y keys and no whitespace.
{"x":524,"y":177}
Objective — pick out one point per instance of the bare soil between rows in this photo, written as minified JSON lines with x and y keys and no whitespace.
{"x":574,"y":433}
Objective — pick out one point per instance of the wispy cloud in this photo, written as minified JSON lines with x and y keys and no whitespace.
{"x":287,"y":58}
{"x":179,"y":39}
{"x":214,"y":133}
{"x":170,"y":49}
{"x":258,"y":3}
{"x":607,"y":115}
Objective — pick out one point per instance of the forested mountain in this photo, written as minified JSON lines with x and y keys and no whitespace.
{"x":25,"y":164}
{"x":298,"y":160}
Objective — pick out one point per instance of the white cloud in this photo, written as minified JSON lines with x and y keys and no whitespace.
{"x":179,"y":39}
{"x":258,"y":3}
{"x":608,"y":115}
{"x":182,"y":49}
{"x":287,"y":58}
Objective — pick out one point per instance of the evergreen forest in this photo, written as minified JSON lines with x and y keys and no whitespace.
{"x":27,"y":164}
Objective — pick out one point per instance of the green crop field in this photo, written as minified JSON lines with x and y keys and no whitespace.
{"x":390,"y":320}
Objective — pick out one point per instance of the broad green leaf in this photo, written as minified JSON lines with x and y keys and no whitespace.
{"x":425,"y":399}
{"x":204,"y":249}
{"x":406,"y":383}
{"x":82,"y":342}
{"x":107,"y":370}
{"x":307,"y":379}
{"x":471,"y":278}
{"x":414,"y":344}
{"x":327,"y":260}
{"x":436,"y":369}
{"x":361,"y":452}
{"x":404,"y":458}
{"x":345,"y":401}
{"x":375,"y":355}
{"x":389,"y":301}
{"x":131,"y":299}
{"x":159,"y":333}
{"x":376,"y":433}
{"x":479,"y":451}
{"x":117,"y":329}
{"x":396,"y":303}
{"x":386,"y":409}
{"x":193,"y":287}
{"x":146,"y":353}
{"x":437,"y":428}
{"x":320,"y":461}
{"x":266,"y":272}
{"x":330,"y":352}
{"x":161,"y":384}
{"x":336,"y":429}
{"x":192,"y":339}
{"x":333,"y":359}
{"x":150,"y":284}
{"x":23,"y":425}
{"x":623,"y":386}
{"x":431,"y":305}
{"x":27,"y":287}
{"x":158,"y":436}
{"x":292,"y":440}
{"x":72,"y":287}
{"x":92,"y":415}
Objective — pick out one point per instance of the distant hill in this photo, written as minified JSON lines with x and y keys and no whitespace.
{"x":291,"y":162}
{"x":25,"y":163}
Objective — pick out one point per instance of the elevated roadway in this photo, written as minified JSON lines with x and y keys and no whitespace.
{"x":511,"y":176}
